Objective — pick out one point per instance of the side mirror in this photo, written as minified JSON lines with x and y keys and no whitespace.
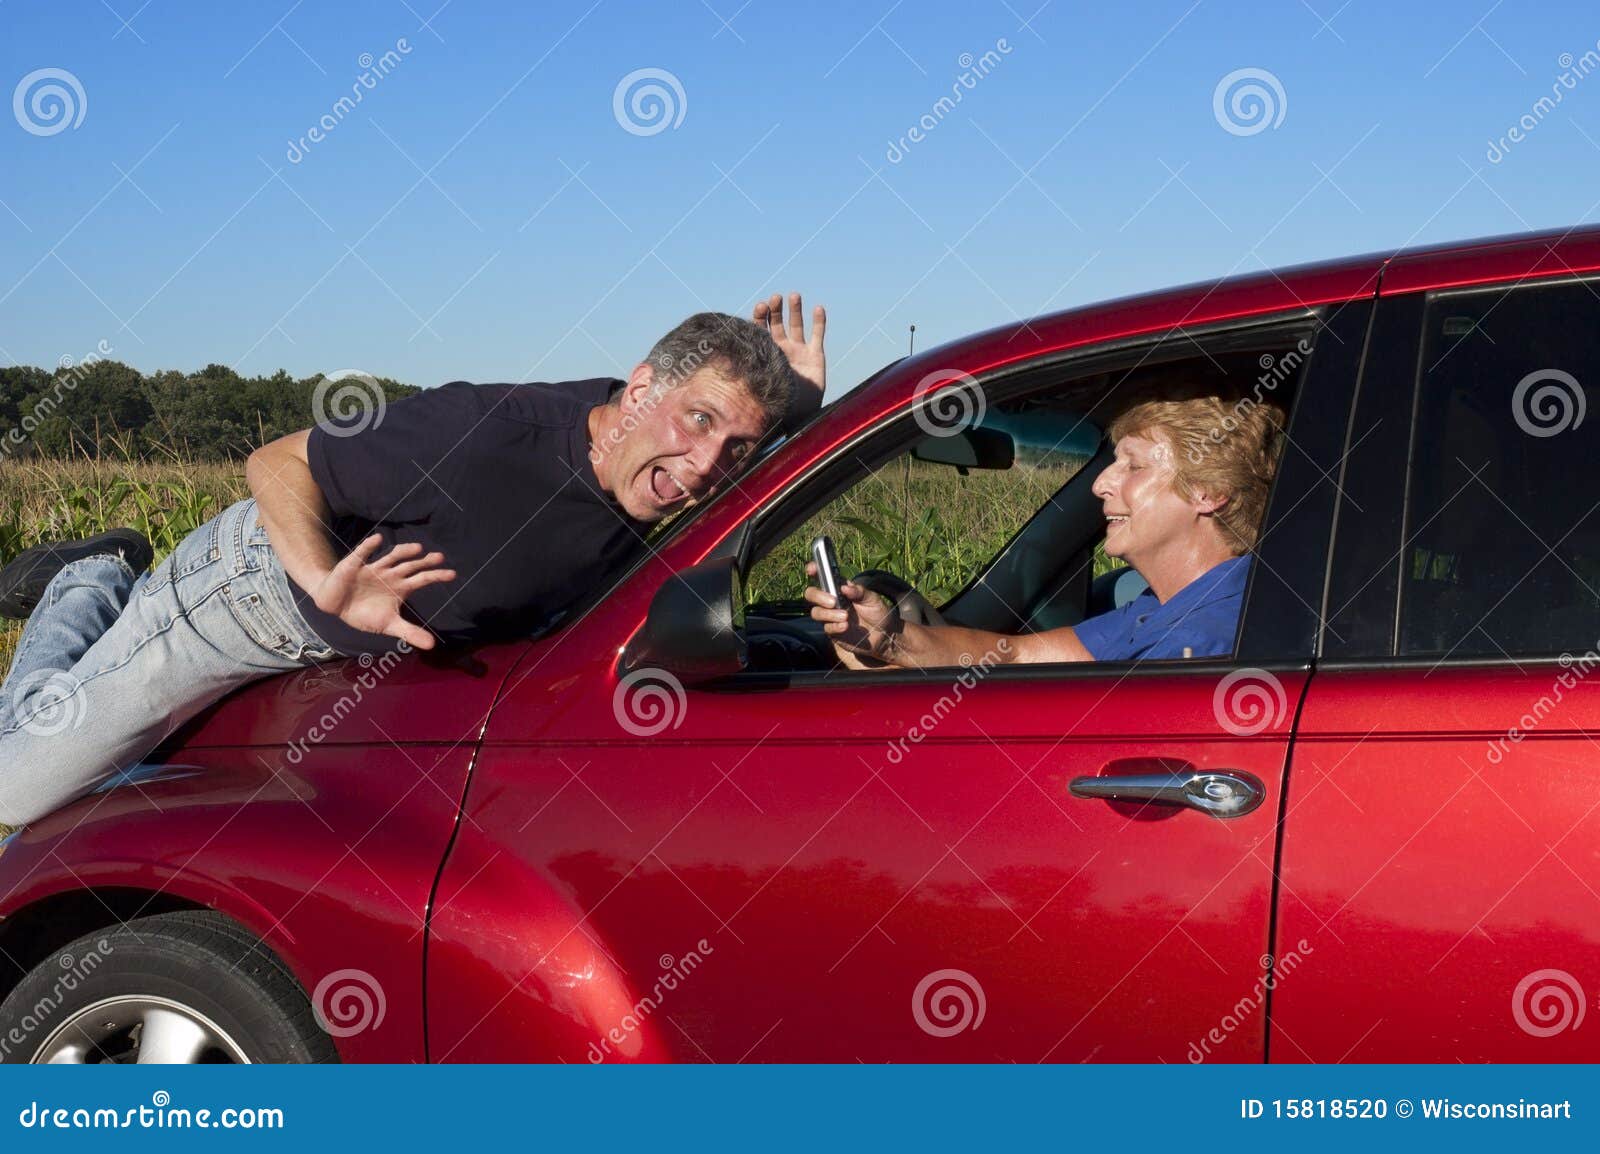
{"x":690,"y":630}
{"x":975,"y":448}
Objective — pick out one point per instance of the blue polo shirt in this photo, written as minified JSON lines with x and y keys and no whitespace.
{"x":1203,"y":617}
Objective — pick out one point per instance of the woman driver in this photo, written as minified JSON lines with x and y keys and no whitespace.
{"x":1183,"y":501}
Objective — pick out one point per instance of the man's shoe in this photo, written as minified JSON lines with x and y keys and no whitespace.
{"x":24,"y":578}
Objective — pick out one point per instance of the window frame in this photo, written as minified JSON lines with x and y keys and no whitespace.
{"x":1417,"y":308}
{"x":843,"y":467}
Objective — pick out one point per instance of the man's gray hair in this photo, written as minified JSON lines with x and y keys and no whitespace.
{"x":737,"y":348}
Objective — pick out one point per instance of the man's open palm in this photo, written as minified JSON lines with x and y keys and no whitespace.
{"x":367,"y":594}
{"x":806,"y":355}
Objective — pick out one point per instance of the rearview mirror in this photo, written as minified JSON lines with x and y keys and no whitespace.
{"x":690,"y":630}
{"x":974,"y":448}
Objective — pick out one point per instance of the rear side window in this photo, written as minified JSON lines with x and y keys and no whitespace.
{"x":1502,"y":554}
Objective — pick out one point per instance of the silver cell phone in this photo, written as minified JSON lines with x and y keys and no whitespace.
{"x":827,"y":562}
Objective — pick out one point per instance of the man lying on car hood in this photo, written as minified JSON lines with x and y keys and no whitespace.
{"x":459,"y":513}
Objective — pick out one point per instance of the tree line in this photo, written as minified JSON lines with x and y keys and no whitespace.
{"x":104,"y":408}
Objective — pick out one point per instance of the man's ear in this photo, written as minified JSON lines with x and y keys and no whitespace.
{"x":640,"y":385}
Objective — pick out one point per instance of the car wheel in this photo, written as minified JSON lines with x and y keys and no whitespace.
{"x":187,"y":987}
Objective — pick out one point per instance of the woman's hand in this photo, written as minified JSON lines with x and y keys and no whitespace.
{"x":860,"y":623}
{"x":367,"y":594}
{"x":806,"y":355}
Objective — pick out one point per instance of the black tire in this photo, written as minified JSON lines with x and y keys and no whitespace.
{"x":200,"y":960}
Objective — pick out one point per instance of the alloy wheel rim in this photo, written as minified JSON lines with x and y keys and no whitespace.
{"x":139,"y":1028}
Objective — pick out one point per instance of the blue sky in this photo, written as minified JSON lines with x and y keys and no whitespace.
{"x":483,"y":213}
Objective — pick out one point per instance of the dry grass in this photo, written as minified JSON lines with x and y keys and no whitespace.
{"x":45,"y":500}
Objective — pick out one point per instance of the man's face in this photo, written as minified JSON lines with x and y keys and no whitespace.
{"x":678,"y":444}
{"x":1145,"y":515}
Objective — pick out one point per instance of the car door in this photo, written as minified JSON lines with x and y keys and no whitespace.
{"x":1442,"y":828}
{"x":894,"y":866}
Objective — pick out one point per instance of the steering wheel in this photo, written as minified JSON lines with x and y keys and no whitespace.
{"x":913,"y":606}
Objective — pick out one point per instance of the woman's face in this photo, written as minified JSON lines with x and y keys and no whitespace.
{"x":1145,"y":515}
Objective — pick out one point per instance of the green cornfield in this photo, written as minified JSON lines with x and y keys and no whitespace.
{"x":43,"y":500}
{"x":925,"y":522}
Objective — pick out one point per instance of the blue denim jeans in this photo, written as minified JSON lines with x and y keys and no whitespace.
{"x":110,"y":663}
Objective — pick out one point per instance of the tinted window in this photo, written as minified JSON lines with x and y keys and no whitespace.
{"x":1502,"y":551}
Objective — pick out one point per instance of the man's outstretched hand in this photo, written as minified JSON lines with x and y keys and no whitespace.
{"x":367,"y":594}
{"x":805,"y":355}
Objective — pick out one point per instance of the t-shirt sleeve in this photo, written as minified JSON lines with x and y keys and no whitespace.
{"x":395,"y":463}
{"x":1099,"y":634}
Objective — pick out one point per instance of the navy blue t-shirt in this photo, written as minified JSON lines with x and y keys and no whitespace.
{"x":1203,"y":617}
{"x":497,"y":478}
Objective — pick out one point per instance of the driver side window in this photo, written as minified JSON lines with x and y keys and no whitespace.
{"x":937,"y":514}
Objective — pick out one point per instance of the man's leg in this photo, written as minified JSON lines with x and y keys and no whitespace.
{"x":204,"y":622}
{"x":80,"y":603}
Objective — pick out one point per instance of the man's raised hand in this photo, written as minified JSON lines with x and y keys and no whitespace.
{"x":806,"y":355}
{"x":367,"y":594}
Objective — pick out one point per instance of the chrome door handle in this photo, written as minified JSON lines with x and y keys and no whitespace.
{"x":1221,"y":793}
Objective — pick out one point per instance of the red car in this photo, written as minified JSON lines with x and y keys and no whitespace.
{"x":671,"y":828}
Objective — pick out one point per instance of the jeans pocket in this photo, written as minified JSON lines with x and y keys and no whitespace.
{"x":194,"y":553}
